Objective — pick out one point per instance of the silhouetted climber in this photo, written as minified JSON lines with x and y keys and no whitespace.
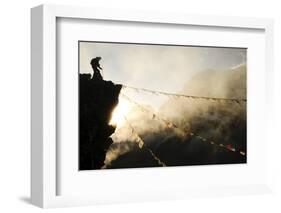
{"x":95,"y":62}
{"x":97,"y":100}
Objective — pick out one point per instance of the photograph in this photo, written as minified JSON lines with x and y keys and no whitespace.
{"x":160,"y":105}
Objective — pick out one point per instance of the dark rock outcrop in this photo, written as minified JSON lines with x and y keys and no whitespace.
{"x":97,"y":99}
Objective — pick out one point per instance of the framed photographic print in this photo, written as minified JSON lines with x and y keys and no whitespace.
{"x":130,"y":106}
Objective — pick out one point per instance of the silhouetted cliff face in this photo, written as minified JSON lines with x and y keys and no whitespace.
{"x":97,"y":100}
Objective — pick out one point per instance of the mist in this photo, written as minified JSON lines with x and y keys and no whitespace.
{"x":220,"y":121}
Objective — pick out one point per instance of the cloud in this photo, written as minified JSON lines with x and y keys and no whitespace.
{"x":117,"y":149}
{"x":224,"y":122}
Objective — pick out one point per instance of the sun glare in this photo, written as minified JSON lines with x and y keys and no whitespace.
{"x":121,"y":110}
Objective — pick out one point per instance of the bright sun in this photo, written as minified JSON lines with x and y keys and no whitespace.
{"x":121,"y":110}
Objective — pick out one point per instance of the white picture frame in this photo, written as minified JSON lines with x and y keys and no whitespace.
{"x":44,"y":169}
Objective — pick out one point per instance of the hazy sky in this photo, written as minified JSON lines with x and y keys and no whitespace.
{"x":150,"y":66}
{"x":156,"y":67}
